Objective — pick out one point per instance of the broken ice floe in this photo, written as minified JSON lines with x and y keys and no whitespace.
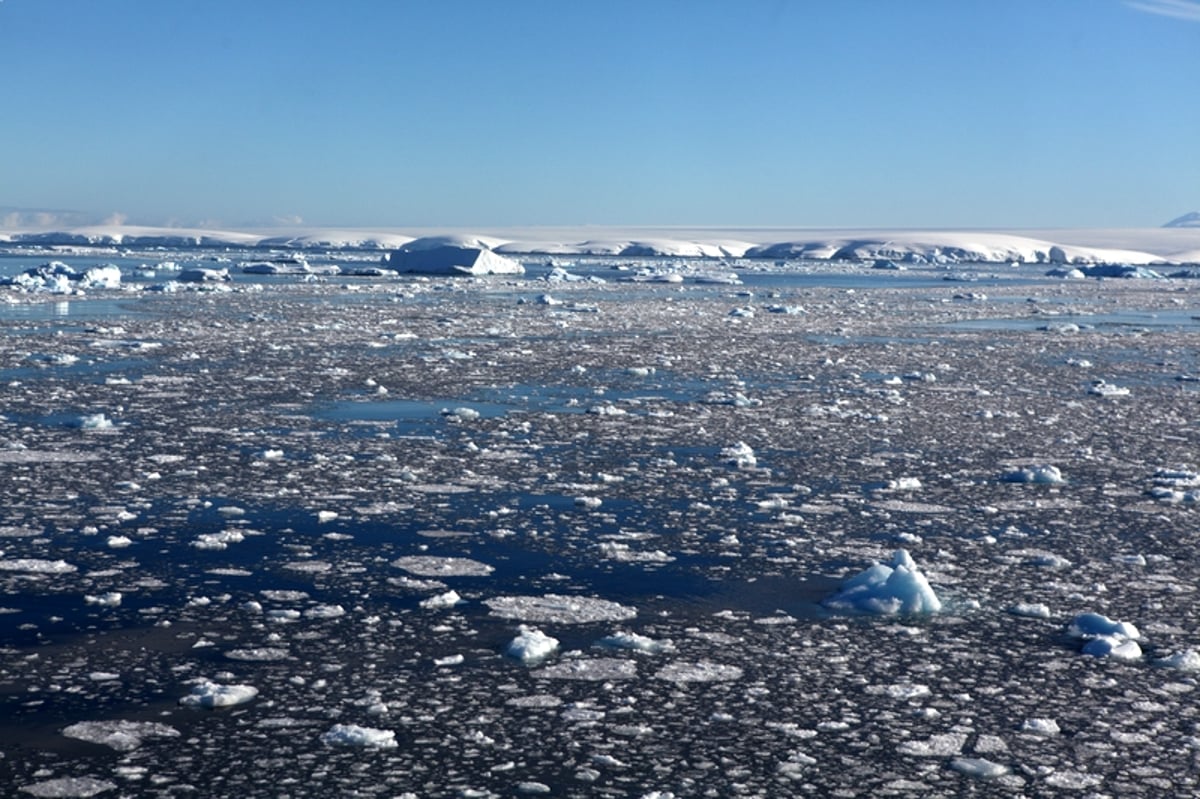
{"x":887,"y":589}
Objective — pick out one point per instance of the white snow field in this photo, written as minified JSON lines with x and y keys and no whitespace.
{"x":650,"y":518}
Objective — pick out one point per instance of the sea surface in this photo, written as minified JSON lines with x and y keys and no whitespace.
{"x":298,"y":535}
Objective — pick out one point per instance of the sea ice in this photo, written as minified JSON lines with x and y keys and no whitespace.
{"x":884,"y":589}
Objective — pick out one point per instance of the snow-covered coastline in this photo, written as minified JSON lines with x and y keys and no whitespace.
{"x":1136,"y":246}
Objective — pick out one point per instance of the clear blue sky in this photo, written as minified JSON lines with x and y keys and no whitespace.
{"x":812,"y":113}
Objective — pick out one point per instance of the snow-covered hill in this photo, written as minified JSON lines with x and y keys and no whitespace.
{"x":1187,"y":220}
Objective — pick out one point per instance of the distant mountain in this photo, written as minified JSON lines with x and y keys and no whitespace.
{"x":1187,"y":220}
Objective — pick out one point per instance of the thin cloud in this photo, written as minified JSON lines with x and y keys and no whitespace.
{"x":1176,"y":9}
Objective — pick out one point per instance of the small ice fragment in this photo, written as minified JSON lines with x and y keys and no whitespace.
{"x":326,"y":516}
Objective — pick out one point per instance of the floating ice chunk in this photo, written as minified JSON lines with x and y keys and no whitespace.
{"x":208,"y":694}
{"x":638,"y":643}
{"x":531,"y":644}
{"x":884,"y":589}
{"x":69,"y":787}
{"x":202,"y":274}
{"x":590,"y":669}
{"x":559,"y":609}
{"x":1103,"y":389}
{"x":124,"y":736}
{"x":1112,"y":646}
{"x":259,"y":654}
{"x":1030,"y":610}
{"x":325,"y":612}
{"x":354,"y":735}
{"x":449,"y":660}
{"x":96,"y":421}
{"x":1187,"y":660}
{"x":442,"y":601}
{"x":943,"y":745}
{"x":702,"y":671}
{"x":109,"y":600}
{"x":739,"y":456}
{"x":978,"y":767}
{"x":463,"y":414}
{"x":1092,"y":625}
{"x":324,"y":516}
{"x":37,"y":566}
{"x":434,"y":566}
{"x":1034,"y":474}
{"x":218,"y":541}
{"x":590,"y":503}
{"x":1041,"y":726}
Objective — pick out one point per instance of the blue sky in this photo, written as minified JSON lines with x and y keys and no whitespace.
{"x":798,"y":113}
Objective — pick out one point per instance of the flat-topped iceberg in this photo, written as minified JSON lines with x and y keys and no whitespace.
{"x":887,"y":589}
{"x":451,"y":255}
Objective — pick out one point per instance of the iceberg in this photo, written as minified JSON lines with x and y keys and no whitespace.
{"x":887,"y":589}
{"x":451,"y":255}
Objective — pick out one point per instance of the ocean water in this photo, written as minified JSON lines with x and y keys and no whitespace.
{"x":336,"y":504}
